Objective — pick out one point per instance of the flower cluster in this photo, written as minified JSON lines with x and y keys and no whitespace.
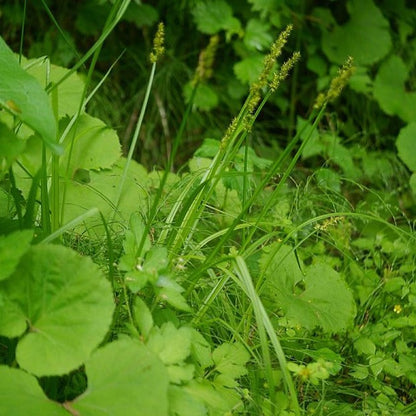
{"x":158,"y":44}
{"x":337,"y":84}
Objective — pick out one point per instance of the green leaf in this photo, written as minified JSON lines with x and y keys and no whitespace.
{"x":412,"y":182}
{"x":230,"y":360}
{"x":219,"y":399}
{"x":21,"y":395}
{"x":249,"y":69}
{"x":68,"y":94}
{"x":94,"y":146}
{"x":22,"y":95}
{"x":179,"y":374}
{"x":172,"y":345}
{"x":213,"y":16}
{"x":201,"y":350}
{"x":257,"y":35}
{"x":389,"y":90}
{"x":170,"y":291}
{"x":406,"y":145}
{"x":143,"y":316}
{"x":12,"y":248}
{"x":365,"y":36}
{"x":124,"y":378}
{"x":66,"y":303}
{"x":326,"y":300}
{"x":205,"y":98}
{"x":101,"y":193}
{"x":181,"y":403}
{"x":141,"y":14}
{"x":10,"y":148}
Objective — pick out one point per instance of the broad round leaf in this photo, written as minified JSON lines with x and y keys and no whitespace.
{"x":212,"y":16}
{"x":406,"y":145}
{"x":365,"y":36}
{"x":21,"y":395}
{"x":67,"y":304}
{"x":68,"y":94}
{"x":94,"y":146}
{"x":99,"y":190}
{"x":22,"y":95}
{"x":390,"y":91}
{"x":325,"y":302}
{"x":124,"y":378}
{"x":12,"y":248}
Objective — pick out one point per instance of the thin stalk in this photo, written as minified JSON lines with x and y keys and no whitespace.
{"x":45,"y":211}
{"x":271,"y":200}
{"x":272,"y":171}
{"x":110,"y":23}
{"x":135,"y":138}
{"x":22,"y":31}
{"x":153,"y":209}
{"x":263,"y":320}
{"x":116,"y":14}
{"x":16,"y":196}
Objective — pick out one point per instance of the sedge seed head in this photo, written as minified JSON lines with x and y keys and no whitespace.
{"x":268,"y":63}
{"x":206,"y":59}
{"x":158,"y":43}
{"x":281,"y":75}
{"x":337,"y":84}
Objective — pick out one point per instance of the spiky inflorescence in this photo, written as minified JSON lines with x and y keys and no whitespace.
{"x":337,"y":84}
{"x":206,"y":61}
{"x":269,"y":61}
{"x":158,"y":44}
{"x":281,"y":75}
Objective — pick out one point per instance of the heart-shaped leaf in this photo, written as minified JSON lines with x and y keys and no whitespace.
{"x":66,"y":303}
{"x":124,"y":378}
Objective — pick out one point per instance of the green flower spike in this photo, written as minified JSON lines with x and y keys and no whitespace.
{"x":158,"y":44}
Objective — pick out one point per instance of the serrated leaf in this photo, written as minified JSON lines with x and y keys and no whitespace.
{"x":208,"y":148}
{"x":66,"y":303}
{"x":219,"y":399}
{"x":389,"y":90}
{"x":23,"y":96}
{"x":141,"y":14}
{"x":406,"y":145}
{"x":180,"y":373}
{"x":201,"y":350}
{"x":365,"y":36}
{"x":230,"y":360}
{"x":205,"y":98}
{"x":326,"y":302}
{"x":181,"y":403}
{"x":213,"y":16}
{"x":124,"y":378}
{"x":142,"y":316}
{"x":249,"y":69}
{"x":21,"y":395}
{"x":12,"y":248}
{"x":257,"y":35}
{"x":172,"y":345}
